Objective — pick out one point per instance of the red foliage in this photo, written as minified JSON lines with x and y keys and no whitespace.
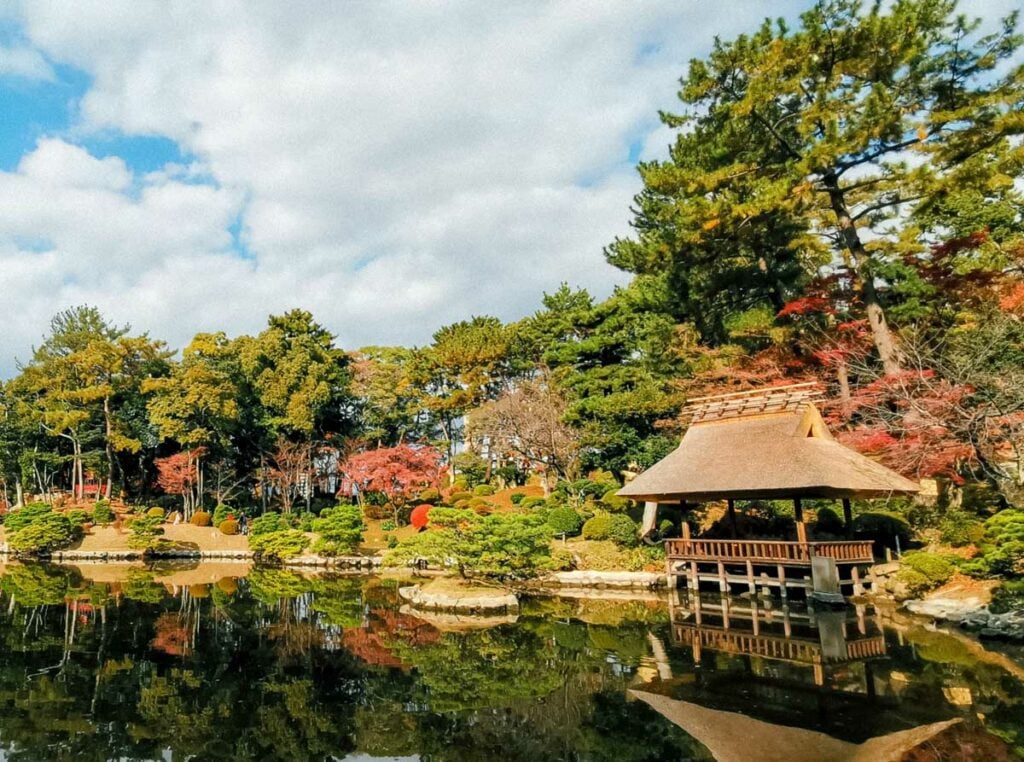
{"x":172,"y":637}
{"x":178,"y":474}
{"x":807,"y":305}
{"x":420,"y":515}
{"x":1013,"y":299}
{"x":398,"y":472}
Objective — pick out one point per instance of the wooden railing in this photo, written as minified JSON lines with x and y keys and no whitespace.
{"x":768,"y":551}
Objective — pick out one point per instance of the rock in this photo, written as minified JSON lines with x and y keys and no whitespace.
{"x":991,"y":633}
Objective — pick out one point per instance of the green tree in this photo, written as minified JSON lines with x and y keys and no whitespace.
{"x":840,"y":126}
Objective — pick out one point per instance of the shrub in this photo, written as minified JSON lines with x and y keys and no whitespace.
{"x":483,"y":490}
{"x":228,"y":526}
{"x":1002,"y":548}
{"x":26,"y":515}
{"x":611,"y":500}
{"x":78,"y":518}
{"x":457,"y":496}
{"x":922,"y":571}
{"x":305,"y":521}
{"x":517,"y":497}
{"x":498,"y":545}
{"x":598,"y":528}
{"x":265,"y":524}
{"x":666,"y":527}
{"x":47,"y":531}
{"x":644,"y":557}
{"x":471,"y":466}
{"x":532,"y":502}
{"x":157,"y":513}
{"x":623,"y":531}
{"x":564,"y":521}
{"x":430,"y":495}
{"x":389,"y":525}
{"x":959,"y":528}
{"x":201,"y":519}
{"x":341,"y":531}
{"x":285,"y":543}
{"x":828,"y":522}
{"x":392,"y":542}
{"x":461,"y":504}
{"x":102,"y":513}
{"x":220,"y":514}
{"x":146,"y":531}
{"x":882,"y":528}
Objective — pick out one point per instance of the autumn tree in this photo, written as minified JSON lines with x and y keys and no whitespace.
{"x":180,"y":474}
{"x":528,"y":424}
{"x":290,"y":472}
{"x":400,"y":473}
{"x":856,"y":117}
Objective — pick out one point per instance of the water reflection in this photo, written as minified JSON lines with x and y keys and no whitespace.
{"x":227,"y":662}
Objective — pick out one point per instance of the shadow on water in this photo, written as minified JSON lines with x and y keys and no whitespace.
{"x":228,"y":662}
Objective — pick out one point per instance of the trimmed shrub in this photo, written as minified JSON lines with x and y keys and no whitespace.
{"x":882,"y":528}
{"x":666,"y":527}
{"x":470,"y":466}
{"x":483,"y":490}
{"x":430,"y":495}
{"x":565,"y":521}
{"x":613,"y":502}
{"x":392,"y":542}
{"x":457,"y":496}
{"x":959,"y":528}
{"x":47,"y":531}
{"x":341,"y":531}
{"x":265,"y":524}
{"x":598,"y":528}
{"x":517,"y":497}
{"x":157,"y":513}
{"x":1002,"y":549}
{"x":102,"y":512}
{"x":78,"y":518}
{"x":228,"y":526}
{"x":828,"y":522}
{"x":201,"y":519}
{"x":922,"y":571}
{"x":146,"y":531}
{"x":623,"y":531}
{"x":220,"y":514}
{"x":28,"y":514}
{"x":304,"y":522}
{"x":389,"y":525}
{"x":286,"y":543}
{"x":461,"y":504}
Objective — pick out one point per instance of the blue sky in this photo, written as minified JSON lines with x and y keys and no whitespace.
{"x":391,"y":167}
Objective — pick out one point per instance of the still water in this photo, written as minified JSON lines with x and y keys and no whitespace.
{"x":116,"y":662}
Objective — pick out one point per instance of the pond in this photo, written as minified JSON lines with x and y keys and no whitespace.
{"x":111,"y":661}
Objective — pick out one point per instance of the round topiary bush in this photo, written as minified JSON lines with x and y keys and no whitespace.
{"x":102,"y":513}
{"x":565,"y":521}
{"x":265,"y":524}
{"x":228,"y":526}
{"x":828,"y":522}
{"x":623,"y":531}
{"x":201,"y":519}
{"x":598,"y":528}
{"x":532,"y":502}
{"x":220,"y":514}
{"x":455,"y":497}
{"x":155,"y":513}
{"x":483,"y":490}
{"x":517,"y":497}
{"x":430,"y":495}
{"x":613,"y":502}
{"x":464,"y":503}
{"x":420,"y":516}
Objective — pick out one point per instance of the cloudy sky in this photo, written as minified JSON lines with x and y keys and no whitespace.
{"x":390,"y":166}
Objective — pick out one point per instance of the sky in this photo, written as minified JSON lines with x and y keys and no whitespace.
{"x":390,"y":166}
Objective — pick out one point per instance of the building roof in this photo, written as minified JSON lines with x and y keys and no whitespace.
{"x":768,"y":444}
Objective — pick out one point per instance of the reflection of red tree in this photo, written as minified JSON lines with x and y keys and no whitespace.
{"x":371,"y":644}
{"x":171,"y":635}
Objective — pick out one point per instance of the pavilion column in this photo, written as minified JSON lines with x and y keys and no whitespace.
{"x":848,"y":516}
{"x":801,"y":527}
{"x":732,"y":517}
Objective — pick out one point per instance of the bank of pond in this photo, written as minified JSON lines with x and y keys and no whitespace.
{"x":224,"y":661}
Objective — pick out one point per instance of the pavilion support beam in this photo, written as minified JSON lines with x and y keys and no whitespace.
{"x":732,"y":518}
{"x":801,"y":527}
{"x":848,"y":516}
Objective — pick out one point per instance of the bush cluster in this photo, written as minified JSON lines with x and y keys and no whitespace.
{"x":564,"y":521}
{"x":483,"y":490}
{"x":201,"y":519}
{"x":922,"y":571}
{"x":341,"y":530}
{"x":282,"y":544}
{"x":517,"y":497}
{"x":43,"y":532}
{"x":266,"y":524}
{"x":102,"y":512}
{"x":1001,"y":549}
{"x":146,"y":531}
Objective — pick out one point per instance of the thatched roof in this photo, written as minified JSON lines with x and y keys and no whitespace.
{"x":762,"y":445}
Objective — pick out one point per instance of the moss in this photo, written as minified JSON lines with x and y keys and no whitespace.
{"x":922,"y":571}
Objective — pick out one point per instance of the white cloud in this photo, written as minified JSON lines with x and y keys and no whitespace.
{"x":24,"y":62}
{"x":398,"y":165}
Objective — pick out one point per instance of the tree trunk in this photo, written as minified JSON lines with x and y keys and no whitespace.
{"x":843,"y":376}
{"x":110,"y":450}
{"x":885,"y":342}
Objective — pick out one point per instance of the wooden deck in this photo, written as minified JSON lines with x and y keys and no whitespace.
{"x":767,"y":564}
{"x":769,"y":551}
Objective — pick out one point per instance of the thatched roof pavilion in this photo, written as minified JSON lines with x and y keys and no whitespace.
{"x":765,"y":444}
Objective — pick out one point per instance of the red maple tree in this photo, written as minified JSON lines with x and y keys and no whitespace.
{"x":399,"y":473}
{"x":180,"y":474}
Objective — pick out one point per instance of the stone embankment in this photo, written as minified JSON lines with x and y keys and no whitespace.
{"x":607,"y":579}
{"x":453,"y":599}
{"x":972,"y":614}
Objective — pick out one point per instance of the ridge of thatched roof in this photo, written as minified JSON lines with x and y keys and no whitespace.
{"x":784,"y":453}
{"x":771,"y":399}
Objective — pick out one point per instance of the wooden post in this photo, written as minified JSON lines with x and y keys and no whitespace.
{"x":798,"y":509}
{"x":694,"y":579}
{"x":722,"y":584}
{"x":751,"y":587}
{"x":732,"y":517}
{"x":848,"y":517}
{"x":782,"y":579}
{"x":858,"y":588}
